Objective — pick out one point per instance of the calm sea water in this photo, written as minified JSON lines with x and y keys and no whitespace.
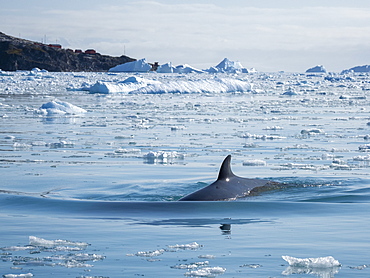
{"x":90,"y":195}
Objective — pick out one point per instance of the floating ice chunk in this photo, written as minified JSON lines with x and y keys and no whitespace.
{"x":26,"y":275}
{"x":192,"y":245}
{"x":352,"y":97}
{"x":191,"y":265}
{"x":364,"y":148}
{"x":321,"y":262}
{"x":206,"y":272}
{"x":262,"y":137}
{"x":312,"y":131}
{"x":56,"y":107}
{"x":273,"y":128}
{"x":162,"y":156}
{"x":206,"y":256}
{"x":254,"y":162}
{"x":135,"y":66}
{"x":36,"y":241}
{"x":154,"y":253}
{"x":17,"y":248}
{"x":290,"y":92}
{"x":362,"y":158}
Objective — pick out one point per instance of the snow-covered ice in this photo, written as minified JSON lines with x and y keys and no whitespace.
{"x":59,"y":108}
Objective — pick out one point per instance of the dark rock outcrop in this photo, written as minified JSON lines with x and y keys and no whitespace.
{"x":20,"y":54}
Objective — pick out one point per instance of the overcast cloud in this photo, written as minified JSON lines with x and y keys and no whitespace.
{"x":201,"y":33}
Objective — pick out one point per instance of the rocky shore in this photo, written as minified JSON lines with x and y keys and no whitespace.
{"x":21,"y":54}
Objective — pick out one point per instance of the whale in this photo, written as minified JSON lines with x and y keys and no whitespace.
{"x":229,"y":186}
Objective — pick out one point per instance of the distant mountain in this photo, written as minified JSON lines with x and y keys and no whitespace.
{"x":20,"y":54}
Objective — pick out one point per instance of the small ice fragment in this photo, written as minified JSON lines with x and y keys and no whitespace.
{"x":26,"y":275}
{"x":321,"y":262}
{"x":36,"y":241}
{"x":255,"y":162}
{"x":312,"y":131}
{"x":150,"y":253}
{"x":206,"y":256}
{"x":206,"y":272}
{"x":192,"y":245}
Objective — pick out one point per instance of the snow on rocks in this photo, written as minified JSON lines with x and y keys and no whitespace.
{"x":59,"y":108}
{"x":135,"y":66}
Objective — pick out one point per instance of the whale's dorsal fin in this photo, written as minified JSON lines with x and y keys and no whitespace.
{"x":225,"y":170}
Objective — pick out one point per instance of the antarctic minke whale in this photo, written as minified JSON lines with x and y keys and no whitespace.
{"x":228,"y":186}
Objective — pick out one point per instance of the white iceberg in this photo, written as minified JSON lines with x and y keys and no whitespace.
{"x":135,"y":66}
{"x":56,"y":107}
{"x":186,"y":69}
{"x":166,"y":68}
{"x":316,"y":69}
{"x":228,"y":66}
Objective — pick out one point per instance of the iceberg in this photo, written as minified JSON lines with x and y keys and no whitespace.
{"x":135,"y":66}
{"x":56,"y":107}
{"x":228,"y":66}
{"x":316,"y":69}
{"x":364,"y":68}
{"x":166,"y":68}
{"x":186,"y":69}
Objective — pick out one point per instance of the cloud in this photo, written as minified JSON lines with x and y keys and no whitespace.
{"x":203,"y":34}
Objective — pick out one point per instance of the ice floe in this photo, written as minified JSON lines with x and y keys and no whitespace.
{"x":59,"y":108}
{"x":65,"y":253}
{"x":206,"y":272}
{"x":37,"y":241}
{"x":26,"y":275}
{"x":320,"y":262}
{"x":254,"y":162}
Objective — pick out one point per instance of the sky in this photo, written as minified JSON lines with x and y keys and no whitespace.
{"x":269,"y":35}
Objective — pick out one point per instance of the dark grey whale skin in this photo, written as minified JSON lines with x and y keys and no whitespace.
{"x":228,"y":186}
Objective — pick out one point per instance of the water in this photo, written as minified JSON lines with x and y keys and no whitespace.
{"x":85,"y":178}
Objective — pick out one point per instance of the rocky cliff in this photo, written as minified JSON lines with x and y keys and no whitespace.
{"x":20,"y":54}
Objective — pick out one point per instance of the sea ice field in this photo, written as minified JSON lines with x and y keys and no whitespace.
{"x":92,"y":166}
